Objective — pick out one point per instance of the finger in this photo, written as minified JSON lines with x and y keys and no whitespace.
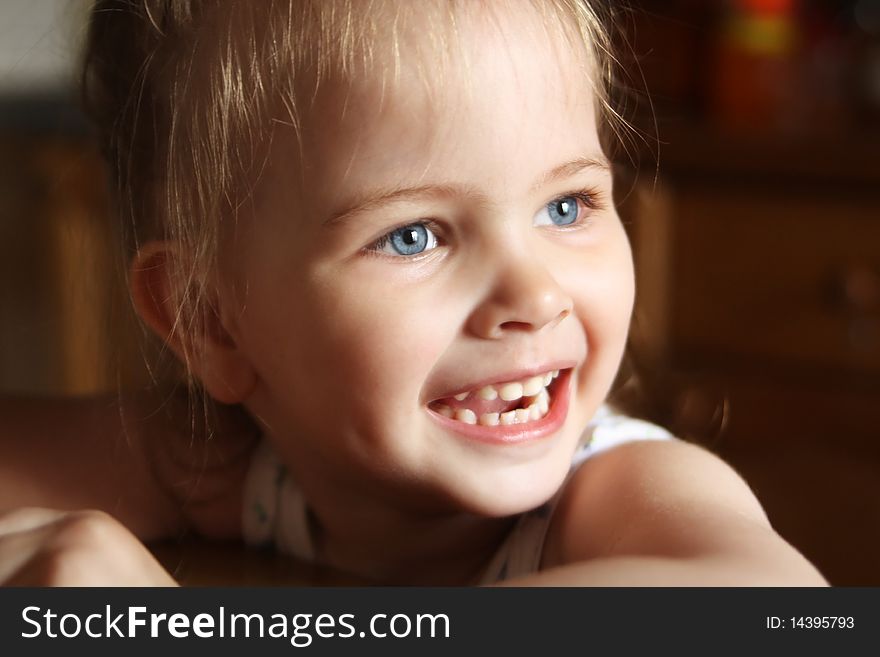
{"x":85,"y":548}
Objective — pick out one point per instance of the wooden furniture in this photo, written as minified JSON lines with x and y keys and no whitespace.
{"x":758,"y":267}
{"x":67,"y":326}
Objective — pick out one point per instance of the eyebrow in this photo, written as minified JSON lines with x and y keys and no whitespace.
{"x":378,"y":198}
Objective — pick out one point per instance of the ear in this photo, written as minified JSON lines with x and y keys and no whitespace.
{"x":214,"y":357}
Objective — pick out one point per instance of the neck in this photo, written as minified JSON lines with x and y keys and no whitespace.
{"x":401,"y":546}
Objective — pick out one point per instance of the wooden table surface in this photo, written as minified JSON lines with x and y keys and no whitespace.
{"x":200,"y":563}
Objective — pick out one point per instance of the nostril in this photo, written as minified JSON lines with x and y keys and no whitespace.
{"x":513,"y":326}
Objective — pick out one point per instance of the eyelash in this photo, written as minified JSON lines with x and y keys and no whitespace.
{"x":591,"y":199}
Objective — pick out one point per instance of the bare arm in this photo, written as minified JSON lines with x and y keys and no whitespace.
{"x":665,"y":514}
{"x":136,"y":459}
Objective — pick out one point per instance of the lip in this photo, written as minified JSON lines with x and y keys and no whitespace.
{"x":513,"y":434}
{"x":506,"y":377}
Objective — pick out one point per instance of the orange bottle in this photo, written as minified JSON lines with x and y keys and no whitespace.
{"x":756,"y":73}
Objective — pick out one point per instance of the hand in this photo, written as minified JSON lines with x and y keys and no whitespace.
{"x":43,"y":547}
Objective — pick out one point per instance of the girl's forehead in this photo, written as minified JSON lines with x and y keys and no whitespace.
{"x":442,"y":47}
{"x":435,"y":75}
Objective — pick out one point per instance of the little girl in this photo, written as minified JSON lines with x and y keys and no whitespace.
{"x":384,"y":230}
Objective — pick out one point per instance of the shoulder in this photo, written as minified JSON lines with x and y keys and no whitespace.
{"x":649,"y":497}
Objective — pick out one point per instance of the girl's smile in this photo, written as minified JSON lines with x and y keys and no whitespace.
{"x":513,"y":412}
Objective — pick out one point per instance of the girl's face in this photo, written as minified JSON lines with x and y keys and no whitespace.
{"x":431,"y":234}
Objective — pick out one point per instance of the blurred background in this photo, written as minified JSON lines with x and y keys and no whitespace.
{"x":751,"y":192}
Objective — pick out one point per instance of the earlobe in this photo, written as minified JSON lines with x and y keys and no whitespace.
{"x":205,"y":347}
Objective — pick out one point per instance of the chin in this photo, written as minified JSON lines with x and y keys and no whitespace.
{"x":514,"y":490}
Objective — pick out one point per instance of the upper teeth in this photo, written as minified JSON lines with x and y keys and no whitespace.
{"x":512,"y":390}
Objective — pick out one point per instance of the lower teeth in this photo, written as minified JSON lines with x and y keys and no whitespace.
{"x":535,"y":411}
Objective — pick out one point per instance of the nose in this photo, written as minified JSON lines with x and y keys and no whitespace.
{"x":524,"y":296}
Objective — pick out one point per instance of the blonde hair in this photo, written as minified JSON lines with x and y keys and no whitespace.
{"x":186,"y":95}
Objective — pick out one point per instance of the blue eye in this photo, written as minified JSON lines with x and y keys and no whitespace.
{"x":409,"y":240}
{"x":562,"y":211}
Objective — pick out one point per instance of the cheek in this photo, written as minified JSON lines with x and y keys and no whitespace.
{"x":379,"y":340}
{"x":603,"y":292}
{"x":603,"y":298}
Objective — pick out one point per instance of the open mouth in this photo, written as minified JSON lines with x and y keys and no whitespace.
{"x":503,"y":404}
